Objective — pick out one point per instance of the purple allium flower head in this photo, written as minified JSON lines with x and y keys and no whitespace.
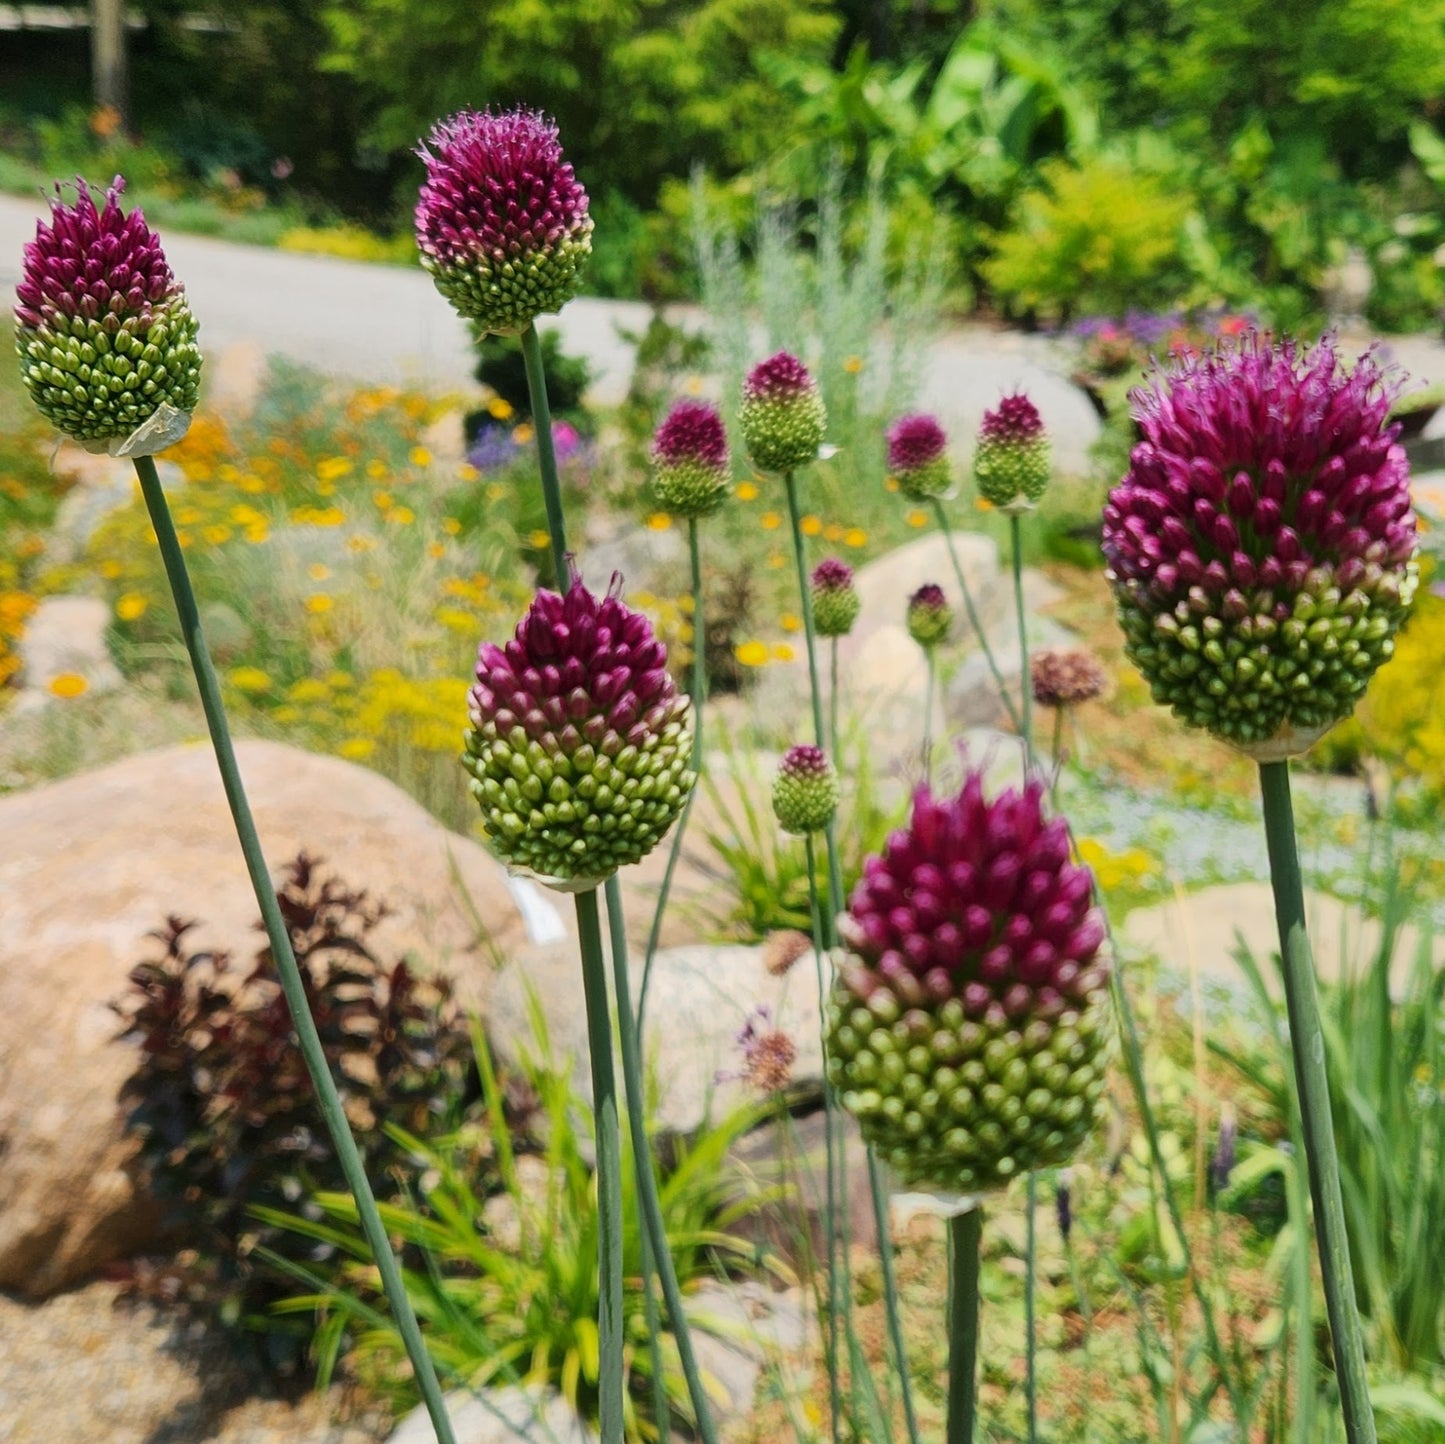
{"x":105,"y":338}
{"x":1261,"y":546}
{"x":1066,"y":676}
{"x":501,"y":221}
{"x":806,"y":790}
{"x":969,"y":1029}
{"x":1011,"y":461}
{"x":835,"y":599}
{"x":918,"y":457}
{"x":579,"y":741}
{"x":782,"y":417}
{"x":929,"y":616}
{"x":692,"y":467}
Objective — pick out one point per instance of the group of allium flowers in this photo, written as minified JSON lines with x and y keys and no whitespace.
{"x":1261,"y":550}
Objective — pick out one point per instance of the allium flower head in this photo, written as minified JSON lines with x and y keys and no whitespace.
{"x":579,"y":741}
{"x":1011,"y":461}
{"x":1261,"y":545}
{"x":501,"y":221}
{"x":969,"y":1029}
{"x":691,"y":466}
{"x":929,"y":616}
{"x":105,"y":338}
{"x":768,"y":1054}
{"x":783,"y":948}
{"x":1066,"y":676}
{"x":918,"y":457}
{"x":782,"y":417}
{"x":835,"y":599}
{"x":806,"y":790}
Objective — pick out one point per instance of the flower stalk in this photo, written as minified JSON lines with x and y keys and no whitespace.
{"x":1312,"y":1081}
{"x":965,"y":1237}
{"x":292,"y":986}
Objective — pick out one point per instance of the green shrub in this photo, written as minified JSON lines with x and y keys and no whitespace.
{"x":1097,"y":237}
{"x":224,"y":1108}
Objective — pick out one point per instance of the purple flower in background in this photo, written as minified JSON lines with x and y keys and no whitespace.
{"x":1011,"y":461}
{"x":929,"y":616}
{"x":691,"y":464}
{"x":501,"y":220}
{"x":918,"y":457}
{"x":835,"y":598}
{"x":1261,"y":546}
{"x":782,"y":416}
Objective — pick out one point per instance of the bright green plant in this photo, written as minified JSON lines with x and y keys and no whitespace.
{"x":508,"y":1285}
{"x":1101,"y":236}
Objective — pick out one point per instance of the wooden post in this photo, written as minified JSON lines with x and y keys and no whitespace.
{"x":107,"y":56}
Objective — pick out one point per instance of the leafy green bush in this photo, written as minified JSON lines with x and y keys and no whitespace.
{"x":508,"y":1287}
{"x":225,"y":1111}
{"x":1101,"y":236}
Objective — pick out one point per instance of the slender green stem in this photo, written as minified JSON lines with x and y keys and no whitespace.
{"x":292,"y":984}
{"x":972,"y":609}
{"x":830,"y":1196}
{"x":609,"y":1168}
{"x":1308,"y":1048}
{"x":1031,"y":1383}
{"x":833,"y":697}
{"x":1026,"y":691}
{"x":965,"y":1234}
{"x":654,"y":1225}
{"x":815,"y":691}
{"x":661,"y":1409}
{"x":928,"y":653}
{"x":890,"y":1293}
{"x":546,"y":453}
{"x":679,"y":833}
{"x":1031,"y":1255}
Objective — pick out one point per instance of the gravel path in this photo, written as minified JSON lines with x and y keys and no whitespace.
{"x":75,"y":1370}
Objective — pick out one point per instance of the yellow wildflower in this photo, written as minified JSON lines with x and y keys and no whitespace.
{"x":338,"y":679}
{"x":791,"y":622}
{"x":401,"y":516}
{"x":319,"y":603}
{"x":318,"y":571}
{"x":356,"y":749}
{"x":811,"y":525}
{"x":776,"y":560}
{"x":420,"y":456}
{"x":916,"y":517}
{"x":752,"y":654}
{"x":746,"y":491}
{"x":130,"y":606}
{"x":499,"y":409}
{"x":375,"y":469}
{"x":257,"y":533}
{"x":381,"y":499}
{"x":216,"y":534}
{"x":183,"y":536}
{"x":852,"y":364}
{"x":451,"y":526}
{"x":783,"y":652}
{"x":68,"y":684}
{"x":435,"y":550}
{"x":496,"y":491}
{"x":326,"y":488}
{"x":332,"y":468}
{"x":523,"y":435}
{"x":249,"y":679}
{"x":309,"y":689}
{"x":890,"y":483}
{"x":540,"y":538}
{"x":110,"y":569}
{"x":855,"y":536}
{"x":360,"y":543}
{"x":833,"y":532}
{"x":770,"y":521}
{"x":659,"y":521}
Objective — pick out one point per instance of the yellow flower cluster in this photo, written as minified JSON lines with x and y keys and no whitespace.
{"x":15,"y":610}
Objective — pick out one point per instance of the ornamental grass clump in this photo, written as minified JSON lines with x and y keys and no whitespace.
{"x":918,"y":457}
{"x":969,"y":1027}
{"x":105,"y":337}
{"x":1011,"y":460}
{"x":1261,"y":546}
{"x":580,"y":743}
{"x":692,"y":468}
{"x":501,"y":220}
{"x":782,"y":416}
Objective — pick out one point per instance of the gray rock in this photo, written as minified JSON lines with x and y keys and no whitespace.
{"x":736,"y":1329}
{"x":67,"y":635}
{"x":512,"y":1415}
{"x":643,"y":557}
{"x":103,"y":484}
{"x":698,"y":1001}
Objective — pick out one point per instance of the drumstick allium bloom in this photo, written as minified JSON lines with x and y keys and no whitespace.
{"x":501,"y":220}
{"x":691,"y":466}
{"x":579,"y":741}
{"x":102,"y":328}
{"x":918,"y":457}
{"x":1261,"y":546}
{"x":1011,"y":461}
{"x":782,"y":416}
{"x":969,"y":1028}
{"x":835,"y":598}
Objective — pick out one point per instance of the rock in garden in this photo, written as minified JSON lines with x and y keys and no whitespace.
{"x":511,"y":1415}
{"x":91,"y":865}
{"x":700,"y":1000}
{"x":65,"y":637}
